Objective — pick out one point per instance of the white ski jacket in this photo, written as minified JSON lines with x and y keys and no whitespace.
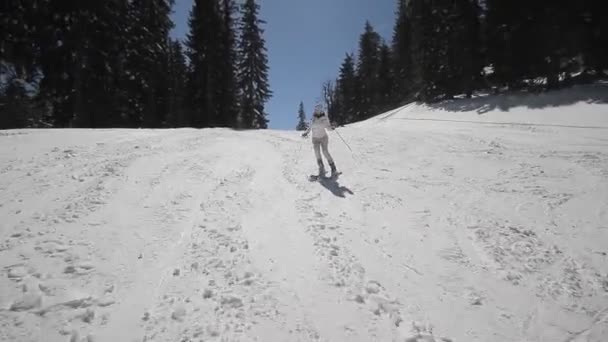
{"x":318,"y":127}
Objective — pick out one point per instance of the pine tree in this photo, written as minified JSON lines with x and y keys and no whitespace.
{"x":111,"y":63}
{"x":18,"y":48}
{"x":594,"y":35}
{"x":573,"y":35}
{"x":177,"y":86}
{"x":571,"y":30}
{"x":61,"y":40}
{"x":367,"y":72}
{"x":420,"y":55}
{"x":302,"y":124}
{"x":336,"y":110}
{"x":203,"y":43}
{"x":147,"y":57}
{"x":463,"y":54}
{"x":18,"y":61}
{"x":512,"y":42}
{"x":437,"y":66}
{"x":347,"y":91}
{"x":81,"y":45}
{"x":212,"y":78}
{"x":328,"y":94}
{"x":227,"y":91}
{"x":253,"y":69}
{"x":554,"y":45}
{"x":402,"y":55}
{"x":77,"y":53}
{"x":16,"y":106}
{"x":386,"y":82}
{"x":441,"y":67}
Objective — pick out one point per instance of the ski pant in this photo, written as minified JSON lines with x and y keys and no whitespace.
{"x":321,"y":143}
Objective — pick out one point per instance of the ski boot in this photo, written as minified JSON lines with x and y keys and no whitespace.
{"x":334,"y":171}
{"x":321,"y":168}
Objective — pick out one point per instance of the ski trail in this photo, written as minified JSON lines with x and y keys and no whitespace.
{"x":597,"y":329}
{"x":289,"y":255}
{"x":145,"y":291}
{"x":126,"y":317}
{"x":343,"y":295}
{"x":431,"y":244}
{"x":472,"y":254}
{"x":221,"y":291}
{"x":64,"y":256}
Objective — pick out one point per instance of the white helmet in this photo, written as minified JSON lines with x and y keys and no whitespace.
{"x":318,"y":112}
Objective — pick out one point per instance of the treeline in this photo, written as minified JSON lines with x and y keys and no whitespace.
{"x":444,"y":48}
{"x":112,"y":63}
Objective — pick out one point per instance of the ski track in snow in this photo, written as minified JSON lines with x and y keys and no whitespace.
{"x":436,"y":231}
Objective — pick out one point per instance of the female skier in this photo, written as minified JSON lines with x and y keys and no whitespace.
{"x":320,"y":123}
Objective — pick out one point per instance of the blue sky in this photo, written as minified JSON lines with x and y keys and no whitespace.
{"x":306,"y":42}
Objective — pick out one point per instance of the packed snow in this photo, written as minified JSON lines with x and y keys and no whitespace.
{"x":472,"y":220}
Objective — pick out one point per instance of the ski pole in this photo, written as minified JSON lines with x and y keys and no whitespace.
{"x":351,"y":150}
{"x":345,"y":143}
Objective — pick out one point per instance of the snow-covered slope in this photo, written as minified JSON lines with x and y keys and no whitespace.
{"x":446,"y":225}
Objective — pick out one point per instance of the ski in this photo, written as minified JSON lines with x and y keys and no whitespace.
{"x":314,"y":178}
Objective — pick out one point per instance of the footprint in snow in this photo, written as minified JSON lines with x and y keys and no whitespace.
{"x":179,"y":314}
{"x":17,"y":273}
{"x":424,"y":334}
{"x":231,"y":302}
{"x":29,"y":301}
{"x":426,"y":338}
